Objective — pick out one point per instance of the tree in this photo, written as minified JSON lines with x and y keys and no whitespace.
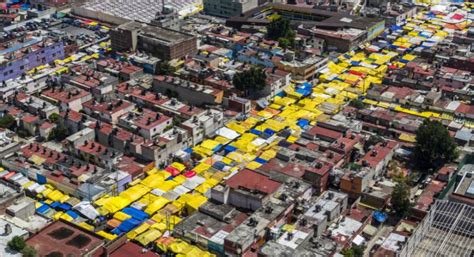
{"x":357,"y":104}
{"x":58,"y":133}
{"x":284,"y":42}
{"x":8,"y":122}
{"x":164,"y":68}
{"x":29,"y":251}
{"x":253,"y":79}
{"x":400,"y":199}
{"x":354,"y":251}
{"x":54,"y":117}
{"x":17,"y":243}
{"x":280,"y":28}
{"x":434,"y":146}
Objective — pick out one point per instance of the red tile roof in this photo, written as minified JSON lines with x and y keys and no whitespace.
{"x":30,"y":118}
{"x":130,"y":249}
{"x":65,"y":95}
{"x":378,"y":153}
{"x":92,"y":148}
{"x":251,"y":180}
{"x":109,"y":107}
{"x":319,"y":131}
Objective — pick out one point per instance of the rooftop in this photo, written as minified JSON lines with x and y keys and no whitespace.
{"x":64,"y":238}
{"x":253,"y":181}
{"x":5,"y":238}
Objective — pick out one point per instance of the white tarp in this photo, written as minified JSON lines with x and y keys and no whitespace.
{"x":86,"y":209}
{"x":227,"y":133}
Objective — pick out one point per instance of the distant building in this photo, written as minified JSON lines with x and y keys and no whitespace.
{"x":24,"y":56}
{"x":187,"y":91}
{"x":228,"y":8}
{"x":160,"y":42}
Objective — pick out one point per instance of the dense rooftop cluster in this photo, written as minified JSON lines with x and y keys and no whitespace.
{"x":126,"y":136}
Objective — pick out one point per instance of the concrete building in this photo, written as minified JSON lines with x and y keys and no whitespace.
{"x":167,"y":145}
{"x":247,"y":189}
{"x":21,"y":57}
{"x":108,"y":111}
{"x":8,"y":231}
{"x":187,"y":91}
{"x":163,"y":43}
{"x":24,"y":209}
{"x":228,"y":8}
{"x":147,"y":123}
{"x":67,"y":98}
{"x":203,"y":125}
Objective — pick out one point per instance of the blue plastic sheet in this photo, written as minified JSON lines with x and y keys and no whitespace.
{"x":380,"y":216}
{"x":135,"y":213}
{"x":218,"y":165}
{"x":64,"y":206}
{"x":55,"y":204}
{"x":129,"y":224}
{"x":116,"y":231}
{"x":230,"y":148}
{"x":72,"y":214}
{"x":269,"y":131}
{"x":255,"y":132}
{"x":302,"y":123}
{"x":43,"y":209}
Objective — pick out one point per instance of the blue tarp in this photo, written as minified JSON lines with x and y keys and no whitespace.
{"x":64,"y":206}
{"x":260,"y":160}
{"x":43,"y":209}
{"x":255,"y":132}
{"x":72,"y":214}
{"x":302,"y":123}
{"x":188,"y":150}
{"x":396,"y":27}
{"x":135,"y":213}
{"x":218,"y":165}
{"x":217,"y":148}
{"x":55,"y":204}
{"x":230,"y":148}
{"x":380,"y":216}
{"x":116,"y":231}
{"x":129,"y":224}
{"x":281,"y":94}
{"x":269,"y":131}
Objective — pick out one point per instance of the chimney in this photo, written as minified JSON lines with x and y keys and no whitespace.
{"x":8,"y":229}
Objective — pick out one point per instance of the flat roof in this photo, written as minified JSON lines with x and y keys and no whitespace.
{"x":325,"y":18}
{"x":64,"y":238}
{"x":167,"y":36}
{"x":4,"y":239}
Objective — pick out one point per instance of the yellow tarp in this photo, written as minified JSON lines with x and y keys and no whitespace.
{"x":148,"y":236}
{"x":121,"y":216}
{"x":106,"y":235}
{"x":159,"y":203}
{"x":137,"y":231}
{"x":178,"y":166}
